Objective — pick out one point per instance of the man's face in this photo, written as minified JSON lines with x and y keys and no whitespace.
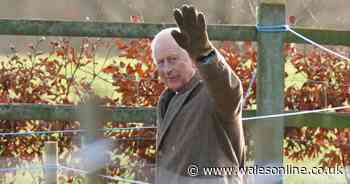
{"x":174,"y":65}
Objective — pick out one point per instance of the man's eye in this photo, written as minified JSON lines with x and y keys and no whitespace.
{"x":172,"y":59}
{"x":160,"y":62}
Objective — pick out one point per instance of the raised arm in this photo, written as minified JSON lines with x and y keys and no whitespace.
{"x":223,"y":84}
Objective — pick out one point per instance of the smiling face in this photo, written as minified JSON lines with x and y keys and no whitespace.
{"x":173,"y":63}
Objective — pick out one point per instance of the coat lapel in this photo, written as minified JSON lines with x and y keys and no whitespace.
{"x":173,"y":110}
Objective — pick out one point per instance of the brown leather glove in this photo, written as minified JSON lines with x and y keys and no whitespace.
{"x":193,"y":36}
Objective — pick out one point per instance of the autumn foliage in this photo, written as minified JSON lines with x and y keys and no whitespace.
{"x":55,"y":78}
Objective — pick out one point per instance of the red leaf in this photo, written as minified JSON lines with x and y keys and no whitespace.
{"x":110,"y":69}
{"x":291,"y":20}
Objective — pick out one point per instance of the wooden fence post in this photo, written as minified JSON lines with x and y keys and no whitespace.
{"x":89,"y":118}
{"x":267,"y":134}
{"x":51,"y":162}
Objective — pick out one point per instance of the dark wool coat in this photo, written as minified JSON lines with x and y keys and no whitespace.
{"x":201,"y":125}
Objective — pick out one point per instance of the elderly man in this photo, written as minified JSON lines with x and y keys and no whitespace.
{"x":199,"y":114}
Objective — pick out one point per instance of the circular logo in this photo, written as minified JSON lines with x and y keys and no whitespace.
{"x":193,"y":170}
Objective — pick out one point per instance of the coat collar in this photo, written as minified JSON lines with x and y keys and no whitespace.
{"x":190,"y":85}
{"x":167,"y":117}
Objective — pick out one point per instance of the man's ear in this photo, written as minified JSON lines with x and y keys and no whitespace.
{"x":161,"y":79}
{"x":155,"y":74}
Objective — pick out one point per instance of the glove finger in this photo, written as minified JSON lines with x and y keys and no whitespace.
{"x":180,"y":38}
{"x":179,"y":18}
{"x":201,"y":22}
{"x":185,"y":9}
{"x":192,"y":16}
